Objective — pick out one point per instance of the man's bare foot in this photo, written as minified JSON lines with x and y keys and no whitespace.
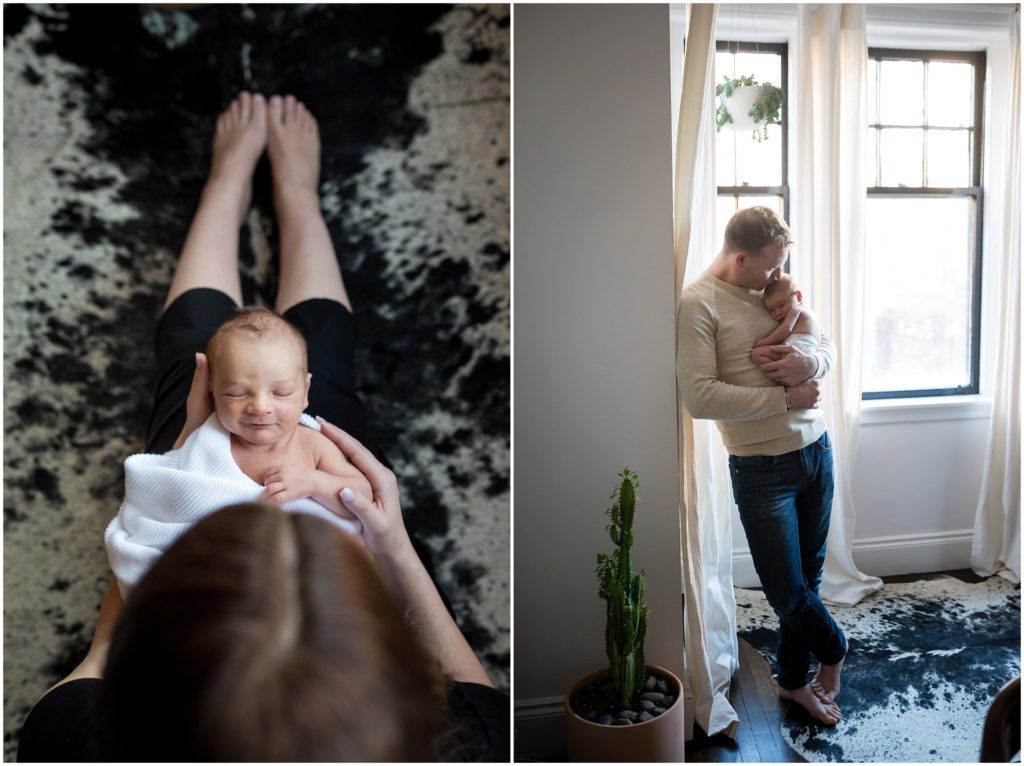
{"x":238,"y":141}
{"x":293,"y":146}
{"x":826,"y":712}
{"x":826,"y":684}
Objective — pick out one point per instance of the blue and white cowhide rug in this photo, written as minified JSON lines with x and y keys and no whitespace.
{"x":108,"y":114}
{"x":926,"y":659}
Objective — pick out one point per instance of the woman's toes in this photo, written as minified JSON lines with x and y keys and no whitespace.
{"x":245,"y":106}
{"x":259,"y":108}
{"x":291,"y":108}
{"x":275,"y":110}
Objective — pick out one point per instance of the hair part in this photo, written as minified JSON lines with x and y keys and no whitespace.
{"x":260,"y":323}
{"x":753,"y":228}
{"x":262,"y":635}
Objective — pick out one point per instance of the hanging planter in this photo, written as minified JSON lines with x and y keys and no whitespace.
{"x":745,"y":104}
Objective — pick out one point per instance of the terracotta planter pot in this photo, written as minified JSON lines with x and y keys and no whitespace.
{"x":661,"y":739}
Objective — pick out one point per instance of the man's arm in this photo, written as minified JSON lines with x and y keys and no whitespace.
{"x":793,"y":366}
{"x":704,"y":395}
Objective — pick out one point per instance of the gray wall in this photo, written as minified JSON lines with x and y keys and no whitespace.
{"x":593,"y":330}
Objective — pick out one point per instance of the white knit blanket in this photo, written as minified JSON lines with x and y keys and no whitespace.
{"x":166,"y":495}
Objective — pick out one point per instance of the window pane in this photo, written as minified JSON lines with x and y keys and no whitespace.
{"x":725,"y":159}
{"x":902,"y":92}
{"x":871,"y":169}
{"x":872,"y":91}
{"x":949,"y":94}
{"x":724,"y":65}
{"x":765,"y":67}
{"x":918,"y":293}
{"x":902,"y":157}
{"x":759,"y":163}
{"x":949,"y":158}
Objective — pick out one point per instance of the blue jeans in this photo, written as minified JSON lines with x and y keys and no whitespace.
{"x":785,"y":502}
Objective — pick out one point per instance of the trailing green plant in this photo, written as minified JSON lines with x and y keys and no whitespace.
{"x":766,"y":109}
{"x":623,"y":590}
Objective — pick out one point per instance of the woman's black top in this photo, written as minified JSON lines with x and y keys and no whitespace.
{"x":62,"y":725}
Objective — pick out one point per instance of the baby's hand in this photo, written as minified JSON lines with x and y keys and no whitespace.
{"x":288,"y":482}
{"x":762,"y":341}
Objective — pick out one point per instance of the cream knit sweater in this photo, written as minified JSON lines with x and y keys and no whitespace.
{"x":716,"y":325}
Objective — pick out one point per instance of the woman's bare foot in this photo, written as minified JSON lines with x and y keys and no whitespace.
{"x":826,"y":684}
{"x":826,"y":712}
{"x":294,"y":148}
{"x":238,"y":141}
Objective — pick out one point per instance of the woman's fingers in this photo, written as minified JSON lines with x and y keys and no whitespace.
{"x":362,"y":507}
{"x":381,"y":479}
{"x":198,"y":403}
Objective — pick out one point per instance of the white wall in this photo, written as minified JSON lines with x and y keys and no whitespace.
{"x":919,"y":463}
{"x":593,"y":327}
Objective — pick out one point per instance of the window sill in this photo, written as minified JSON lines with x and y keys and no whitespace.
{"x":924,"y":409}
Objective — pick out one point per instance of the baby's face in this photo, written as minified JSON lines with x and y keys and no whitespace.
{"x":779,"y":305}
{"x":259,"y":389}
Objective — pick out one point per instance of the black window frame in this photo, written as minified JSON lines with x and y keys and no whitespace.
{"x":975,"y":191}
{"x":782,"y":49}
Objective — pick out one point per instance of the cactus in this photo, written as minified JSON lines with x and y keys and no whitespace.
{"x":623,"y":591}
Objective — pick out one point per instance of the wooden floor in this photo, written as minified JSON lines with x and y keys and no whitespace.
{"x":759,"y":736}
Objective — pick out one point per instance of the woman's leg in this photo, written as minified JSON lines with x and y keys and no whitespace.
{"x":209,"y":257}
{"x":206,"y":289}
{"x":309,"y":265}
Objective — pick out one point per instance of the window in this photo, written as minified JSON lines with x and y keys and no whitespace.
{"x":924,"y":214}
{"x":747,"y":172}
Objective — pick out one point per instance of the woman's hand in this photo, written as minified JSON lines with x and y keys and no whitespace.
{"x":381,"y":514}
{"x":385,"y":535}
{"x":199,"y":405}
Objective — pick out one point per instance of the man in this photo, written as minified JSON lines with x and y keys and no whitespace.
{"x":780,"y":458}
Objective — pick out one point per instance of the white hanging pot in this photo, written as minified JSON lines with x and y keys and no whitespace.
{"x":739,"y":105}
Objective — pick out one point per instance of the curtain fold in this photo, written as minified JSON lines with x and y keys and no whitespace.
{"x":996,"y":544}
{"x":830,"y":98}
{"x":711,"y":650}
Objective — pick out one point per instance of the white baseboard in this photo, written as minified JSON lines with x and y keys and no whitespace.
{"x":882,"y":556}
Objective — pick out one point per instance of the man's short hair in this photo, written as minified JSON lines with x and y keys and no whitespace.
{"x":752,"y":228}
{"x":256,"y":322}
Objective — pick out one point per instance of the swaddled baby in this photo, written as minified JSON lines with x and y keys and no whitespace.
{"x":251,"y":448}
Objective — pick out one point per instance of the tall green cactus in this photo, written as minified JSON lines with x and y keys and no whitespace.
{"x":623,"y":591}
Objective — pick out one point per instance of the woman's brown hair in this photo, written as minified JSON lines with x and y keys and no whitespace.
{"x":266,"y":636}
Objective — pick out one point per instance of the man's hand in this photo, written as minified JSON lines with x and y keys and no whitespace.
{"x":792,"y":367}
{"x":804,"y":396}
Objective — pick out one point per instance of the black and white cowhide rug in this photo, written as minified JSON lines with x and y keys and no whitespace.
{"x":926,"y":659}
{"x":108,"y":114}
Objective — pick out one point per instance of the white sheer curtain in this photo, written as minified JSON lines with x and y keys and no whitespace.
{"x":712,"y":654}
{"x":830,"y":119}
{"x":996,"y":546}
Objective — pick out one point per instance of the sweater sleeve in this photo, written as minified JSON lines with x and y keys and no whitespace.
{"x":826,"y":356}
{"x":703,"y":394}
